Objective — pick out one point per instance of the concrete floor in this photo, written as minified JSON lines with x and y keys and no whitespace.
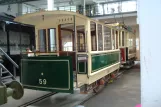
{"x":124,"y":92}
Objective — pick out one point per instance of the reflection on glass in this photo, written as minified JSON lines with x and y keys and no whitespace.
{"x":100,"y":39}
{"x":42,"y":40}
{"x":110,"y":8}
{"x":107,"y":38}
{"x":68,"y":8}
{"x":52,"y":36}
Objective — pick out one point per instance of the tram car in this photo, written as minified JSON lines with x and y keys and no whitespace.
{"x":127,"y":47}
{"x":72,"y":51}
{"x":126,"y":42}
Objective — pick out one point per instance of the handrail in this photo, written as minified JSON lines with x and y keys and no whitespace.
{"x":5,"y":54}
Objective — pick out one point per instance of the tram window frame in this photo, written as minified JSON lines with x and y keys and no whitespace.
{"x":107,"y":38}
{"x":81,"y":37}
{"x":93,"y":36}
{"x":113,"y":39}
{"x":44,"y":40}
{"x":123,"y":38}
{"x":119,"y":34}
{"x":117,"y":39}
{"x":100,"y":37}
{"x":66,"y":44}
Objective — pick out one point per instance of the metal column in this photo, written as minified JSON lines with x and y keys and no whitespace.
{"x":50,"y":4}
{"x":84,"y":7}
{"x":149,"y":21}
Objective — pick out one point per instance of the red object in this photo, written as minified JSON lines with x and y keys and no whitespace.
{"x":101,"y":82}
{"x":113,"y":75}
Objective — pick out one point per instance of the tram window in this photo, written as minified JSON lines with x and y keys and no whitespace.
{"x":107,"y":38}
{"x":93,"y":36}
{"x":120,"y":38}
{"x":113,"y":39}
{"x":66,"y":40}
{"x":117,"y":39}
{"x":42,"y":40}
{"x":81,"y":40}
{"x":130,"y":40}
{"x":52,"y":40}
{"x":66,"y":37}
{"x":123,"y":37}
{"x":100,"y":39}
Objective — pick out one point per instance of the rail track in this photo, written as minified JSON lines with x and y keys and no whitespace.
{"x":37,"y":99}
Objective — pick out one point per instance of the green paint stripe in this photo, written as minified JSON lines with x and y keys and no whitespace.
{"x":104,"y":60}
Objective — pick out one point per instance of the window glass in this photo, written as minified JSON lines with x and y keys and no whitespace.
{"x":93,"y":36}
{"x":117,"y":40}
{"x":119,"y":37}
{"x":107,"y":38}
{"x":117,"y":7}
{"x":51,"y":40}
{"x":42,"y":40}
{"x":123,"y":38}
{"x":81,"y":40}
{"x":68,"y":46}
{"x":113,"y":39}
{"x":100,"y":39}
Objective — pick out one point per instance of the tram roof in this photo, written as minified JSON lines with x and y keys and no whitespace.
{"x":32,"y":18}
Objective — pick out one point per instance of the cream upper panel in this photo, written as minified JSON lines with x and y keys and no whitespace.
{"x":39,"y":17}
{"x":50,"y":18}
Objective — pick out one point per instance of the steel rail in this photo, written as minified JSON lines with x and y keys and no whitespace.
{"x":37,"y":100}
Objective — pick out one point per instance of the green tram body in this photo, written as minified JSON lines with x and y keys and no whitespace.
{"x":60,"y":70}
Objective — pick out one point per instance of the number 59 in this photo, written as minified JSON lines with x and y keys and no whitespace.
{"x":42,"y":81}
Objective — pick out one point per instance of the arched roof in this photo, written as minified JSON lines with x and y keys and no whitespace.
{"x":32,"y":18}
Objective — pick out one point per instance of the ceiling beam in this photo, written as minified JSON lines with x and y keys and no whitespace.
{"x":6,"y":2}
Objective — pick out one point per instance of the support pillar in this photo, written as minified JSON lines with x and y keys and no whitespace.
{"x":51,"y":32}
{"x":20,"y":9}
{"x":50,"y":5}
{"x":84,"y":7}
{"x":150,"y":52}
